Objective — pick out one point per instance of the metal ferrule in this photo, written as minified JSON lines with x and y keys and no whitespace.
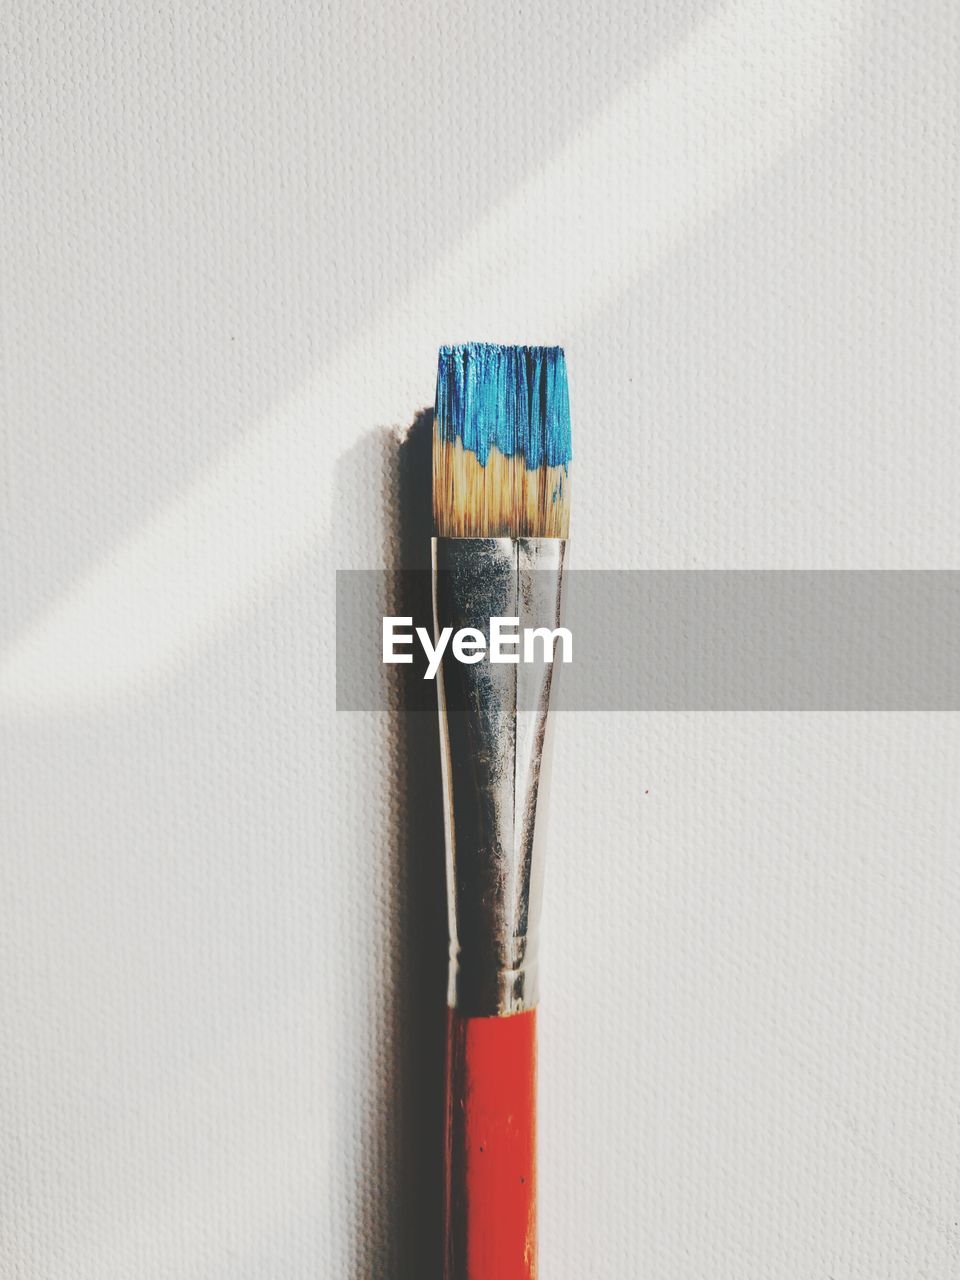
{"x":493,"y":727}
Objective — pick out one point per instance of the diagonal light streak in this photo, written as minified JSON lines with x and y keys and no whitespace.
{"x":654,"y":165}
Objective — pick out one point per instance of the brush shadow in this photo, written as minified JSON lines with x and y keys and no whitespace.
{"x":419,"y":841}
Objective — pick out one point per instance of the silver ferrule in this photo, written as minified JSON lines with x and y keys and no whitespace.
{"x":493,"y":735}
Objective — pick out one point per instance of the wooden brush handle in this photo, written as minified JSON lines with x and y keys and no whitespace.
{"x":490,"y":1176}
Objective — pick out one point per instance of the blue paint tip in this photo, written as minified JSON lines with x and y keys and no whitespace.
{"x":514,"y":398}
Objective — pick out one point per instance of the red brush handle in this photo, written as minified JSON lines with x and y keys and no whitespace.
{"x":490,"y":1192}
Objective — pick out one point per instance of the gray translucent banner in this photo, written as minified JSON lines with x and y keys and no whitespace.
{"x":716,"y":640}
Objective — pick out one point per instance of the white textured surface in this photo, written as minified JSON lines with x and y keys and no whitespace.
{"x":232,"y":236}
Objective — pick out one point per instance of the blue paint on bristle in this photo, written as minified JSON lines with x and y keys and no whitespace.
{"x":513,"y":397}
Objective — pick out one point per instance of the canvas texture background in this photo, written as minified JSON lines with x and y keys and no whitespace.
{"x":232,"y":236}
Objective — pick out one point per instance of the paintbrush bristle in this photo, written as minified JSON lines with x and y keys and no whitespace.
{"x":501,"y":442}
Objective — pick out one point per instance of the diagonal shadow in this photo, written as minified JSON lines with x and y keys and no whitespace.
{"x":150,"y":604}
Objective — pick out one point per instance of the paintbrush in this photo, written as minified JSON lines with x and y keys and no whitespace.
{"x":501,"y":470}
